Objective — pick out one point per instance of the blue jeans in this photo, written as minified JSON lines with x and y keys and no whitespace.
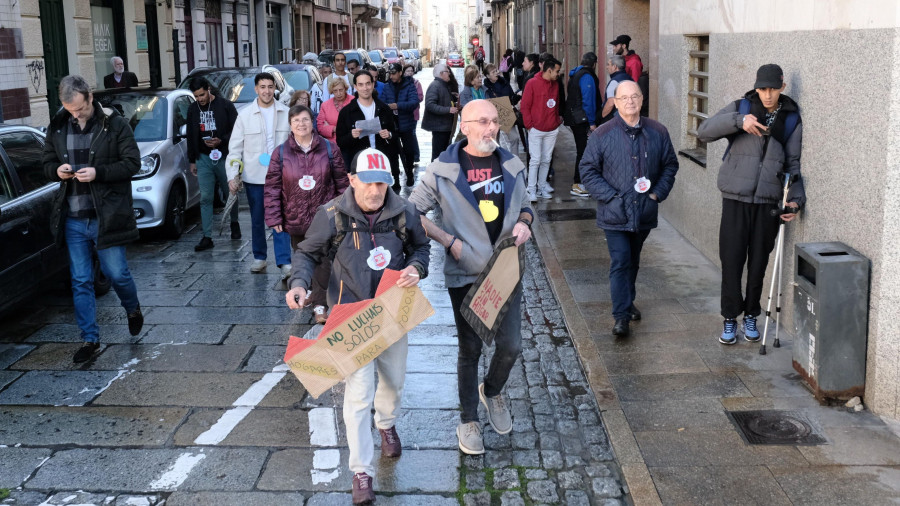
{"x":281,"y":240}
{"x":211,"y":175}
{"x":507,"y":348}
{"x":81,"y":238}
{"x":625,"y":260}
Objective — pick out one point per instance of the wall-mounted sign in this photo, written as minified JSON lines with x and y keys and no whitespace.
{"x":141,"y":33}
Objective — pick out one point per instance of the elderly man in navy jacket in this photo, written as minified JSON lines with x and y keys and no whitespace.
{"x":629,"y":167}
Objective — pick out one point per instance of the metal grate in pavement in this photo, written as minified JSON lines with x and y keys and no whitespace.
{"x":567,"y":214}
{"x":772,"y":427}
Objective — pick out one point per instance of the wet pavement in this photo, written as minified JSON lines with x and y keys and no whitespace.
{"x":200,"y":409}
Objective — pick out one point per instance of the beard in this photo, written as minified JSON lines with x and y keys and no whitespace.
{"x":486,"y":146}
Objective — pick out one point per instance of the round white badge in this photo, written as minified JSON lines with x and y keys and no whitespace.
{"x":379,"y":258}
{"x":551,"y":103}
{"x":215,"y":155}
{"x":642,"y":185}
{"x":307,"y":183}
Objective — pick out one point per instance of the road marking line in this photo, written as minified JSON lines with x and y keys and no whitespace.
{"x":322,"y":427}
{"x":175,"y":475}
{"x":325,"y":466}
{"x":243,"y":406}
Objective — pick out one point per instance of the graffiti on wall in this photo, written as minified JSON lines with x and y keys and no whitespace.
{"x":36,"y":71}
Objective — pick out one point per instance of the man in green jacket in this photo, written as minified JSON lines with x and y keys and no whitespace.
{"x":93,"y":153}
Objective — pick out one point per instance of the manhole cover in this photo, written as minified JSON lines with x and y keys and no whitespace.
{"x":770,"y":427}
{"x":567,"y":214}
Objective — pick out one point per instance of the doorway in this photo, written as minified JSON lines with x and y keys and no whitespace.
{"x":56,"y":63}
{"x":153,"y":44}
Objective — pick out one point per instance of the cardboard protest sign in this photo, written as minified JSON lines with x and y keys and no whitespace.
{"x":487,"y":302}
{"x":356,"y":333}
{"x":505,"y":111}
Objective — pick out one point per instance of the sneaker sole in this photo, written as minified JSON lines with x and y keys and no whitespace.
{"x":488,"y":412}
{"x":733,"y":341}
{"x":751,"y":339}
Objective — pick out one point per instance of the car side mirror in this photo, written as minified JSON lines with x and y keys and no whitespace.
{"x":180,"y":134}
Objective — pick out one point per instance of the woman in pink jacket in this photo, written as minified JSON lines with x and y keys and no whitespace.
{"x":304,"y":173}
{"x":328,"y":113}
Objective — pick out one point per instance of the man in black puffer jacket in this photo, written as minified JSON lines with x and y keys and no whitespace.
{"x":629,"y":167}
{"x":765,"y":140}
{"x":93,"y":153}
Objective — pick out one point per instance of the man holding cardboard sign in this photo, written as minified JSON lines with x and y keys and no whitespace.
{"x":367,"y":230}
{"x":480,"y":189}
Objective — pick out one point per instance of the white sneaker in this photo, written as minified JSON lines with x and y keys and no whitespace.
{"x":579,"y":191}
{"x":258,"y":266}
{"x":285,"y":272}
{"x":543,"y":194}
{"x":531,"y":195}
{"x":547,"y":188}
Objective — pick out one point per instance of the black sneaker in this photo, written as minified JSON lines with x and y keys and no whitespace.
{"x":621,"y":328}
{"x":135,"y":321}
{"x":204,"y":244}
{"x":235,"y":230}
{"x":85,"y":352}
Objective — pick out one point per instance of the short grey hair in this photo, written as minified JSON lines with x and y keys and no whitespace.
{"x":112,"y":61}
{"x":73,"y":85}
{"x":618,"y":61}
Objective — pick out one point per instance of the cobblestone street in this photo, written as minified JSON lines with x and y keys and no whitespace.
{"x":200,"y":409}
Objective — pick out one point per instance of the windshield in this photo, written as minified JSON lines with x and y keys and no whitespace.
{"x":326,"y":58}
{"x":146,"y":114}
{"x":453,"y":56}
{"x":353,"y":55}
{"x":375,"y":56}
{"x":389,"y":53}
{"x":236,"y":86}
{"x":297,"y":79}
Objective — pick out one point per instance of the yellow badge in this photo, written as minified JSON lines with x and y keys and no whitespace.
{"x":488,"y":210}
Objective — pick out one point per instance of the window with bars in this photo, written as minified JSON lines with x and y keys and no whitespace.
{"x":698,"y":96}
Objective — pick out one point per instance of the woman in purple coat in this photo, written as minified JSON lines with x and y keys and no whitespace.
{"x":304,"y":173}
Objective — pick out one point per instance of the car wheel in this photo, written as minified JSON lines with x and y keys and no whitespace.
{"x":175,"y":205}
{"x":102,"y":284}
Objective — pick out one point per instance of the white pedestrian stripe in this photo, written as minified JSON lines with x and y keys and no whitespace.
{"x":175,"y":475}
{"x":322,"y":427}
{"x":325,"y":466}
{"x":244,"y":405}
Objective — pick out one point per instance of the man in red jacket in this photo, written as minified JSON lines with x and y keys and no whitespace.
{"x":633,"y":64}
{"x":542,"y":116}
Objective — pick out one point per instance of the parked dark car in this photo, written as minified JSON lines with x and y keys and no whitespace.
{"x":28,"y":253}
{"x":378,"y":59}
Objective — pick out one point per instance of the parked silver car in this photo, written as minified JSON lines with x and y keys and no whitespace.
{"x":164,"y":187}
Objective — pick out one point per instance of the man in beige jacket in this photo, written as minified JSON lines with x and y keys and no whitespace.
{"x":260,"y":128}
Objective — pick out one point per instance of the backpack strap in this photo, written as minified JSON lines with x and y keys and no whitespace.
{"x":330,"y":154}
{"x":341,"y":224}
{"x":790,"y":124}
{"x":743,"y":110}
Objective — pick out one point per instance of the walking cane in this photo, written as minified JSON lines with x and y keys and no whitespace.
{"x":779,"y":263}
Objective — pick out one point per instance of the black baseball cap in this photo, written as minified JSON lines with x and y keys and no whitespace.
{"x":395,"y":68}
{"x":621,"y":39}
{"x":769,"y":76}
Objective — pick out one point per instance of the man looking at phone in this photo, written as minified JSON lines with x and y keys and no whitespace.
{"x":92,"y":151}
{"x":765,"y":136}
{"x":209,"y":124}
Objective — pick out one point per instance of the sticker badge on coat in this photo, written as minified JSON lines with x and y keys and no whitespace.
{"x":379,"y":258}
{"x":215,"y":155}
{"x":307,"y":183}
{"x":642,"y":185}
{"x":264,"y":159}
{"x":551,"y":103}
{"x":488,"y":210}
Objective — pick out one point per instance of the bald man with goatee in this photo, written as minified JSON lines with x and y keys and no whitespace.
{"x":629,"y":167}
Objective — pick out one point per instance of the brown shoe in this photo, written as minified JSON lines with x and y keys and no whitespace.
{"x":321,"y":314}
{"x":362,"y":489}
{"x":390,"y":442}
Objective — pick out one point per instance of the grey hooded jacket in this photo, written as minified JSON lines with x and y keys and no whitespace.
{"x":750,"y":170}
{"x":444,"y":185}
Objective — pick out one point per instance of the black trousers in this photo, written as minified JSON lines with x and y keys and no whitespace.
{"x":439,"y":142}
{"x":747,"y":234}
{"x":581,"y":133}
{"x":408,"y":148}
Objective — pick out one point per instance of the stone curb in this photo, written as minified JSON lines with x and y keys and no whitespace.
{"x":635,"y":473}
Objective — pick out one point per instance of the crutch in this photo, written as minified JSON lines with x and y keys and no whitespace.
{"x":779,"y":263}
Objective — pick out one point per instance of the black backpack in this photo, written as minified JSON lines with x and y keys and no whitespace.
{"x":342,"y":225}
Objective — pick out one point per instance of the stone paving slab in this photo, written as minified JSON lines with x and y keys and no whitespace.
{"x":10,"y":353}
{"x":175,"y":334}
{"x":856,"y":446}
{"x":69,"y":333}
{"x":814,"y":486}
{"x":647,"y":342}
{"x":17,"y":464}
{"x":774,"y":383}
{"x":273,"y":296}
{"x":164,"y":281}
{"x":697,"y":448}
{"x":434,"y":391}
{"x":264,"y":358}
{"x":288,"y":428}
{"x":676,"y":414}
{"x":425,"y":429}
{"x":428,"y":334}
{"x":148,"y":298}
{"x":174,"y":357}
{"x":151,"y":470}
{"x":213,"y":255}
{"x":220,"y":283}
{"x":824,"y":416}
{"x":25,"y":498}
{"x":105,"y":316}
{"x":176,"y":389}
{"x":747,"y":358}
{"x":141,"y":267}
{"x":269,"y":334}
{"x":432,"y":359}
{"x":722,"y":485}
{"x":15,"y":330}
{"x":238,"y":499}
{"x":89,"y":426}
{"x":678,"y":386}
{"x":56,"y":388}
{"x":671,"y":362}
{"x":243,"y":315}
{"x":336,"y":499}
{"x":7,"y":377}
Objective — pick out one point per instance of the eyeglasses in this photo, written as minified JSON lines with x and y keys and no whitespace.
{"x":484,"y":121}
{"x":302,"y":121}
{"x":632,"y":98}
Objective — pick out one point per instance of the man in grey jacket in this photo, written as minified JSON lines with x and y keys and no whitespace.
{"x":480,"y":189}
{"x":765,"y":136}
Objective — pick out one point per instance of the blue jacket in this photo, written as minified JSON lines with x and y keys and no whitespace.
{"x":615,"y":156}
{"x":406,"y":97}
{"x":588,"y":87}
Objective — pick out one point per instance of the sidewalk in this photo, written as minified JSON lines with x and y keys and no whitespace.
{"x":666,"y":391}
